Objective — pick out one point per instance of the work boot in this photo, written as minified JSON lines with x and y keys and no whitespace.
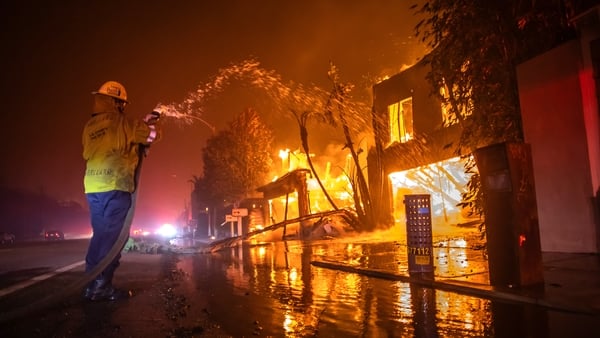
{"x":108,"y":293}
{"x":100,"y":289}
{"x":94,"y":287}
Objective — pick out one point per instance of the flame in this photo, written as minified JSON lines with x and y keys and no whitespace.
{"x":444,"y":181}
{"x":338,"y":186}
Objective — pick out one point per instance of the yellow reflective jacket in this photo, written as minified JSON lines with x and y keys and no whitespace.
{"x":110,"y":149}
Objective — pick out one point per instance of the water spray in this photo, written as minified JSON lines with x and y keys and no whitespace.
{"x":289,"y":95}
{"x":172,"y":112}
{"x":285,"y":95}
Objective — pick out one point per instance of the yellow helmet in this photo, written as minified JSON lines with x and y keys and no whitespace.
{"x":113,"y":89}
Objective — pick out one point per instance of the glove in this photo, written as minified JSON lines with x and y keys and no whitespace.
{"x":152,"y":118}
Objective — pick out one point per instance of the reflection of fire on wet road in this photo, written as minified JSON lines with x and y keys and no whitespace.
{"x":275,"y":284}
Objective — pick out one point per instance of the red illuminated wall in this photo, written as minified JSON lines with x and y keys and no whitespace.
{"x":558,"y":121}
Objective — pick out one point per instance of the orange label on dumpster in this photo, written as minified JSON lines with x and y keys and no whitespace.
{"x":422,"y":260}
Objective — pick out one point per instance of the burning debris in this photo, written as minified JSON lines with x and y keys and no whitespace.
{"x":325,"y":228}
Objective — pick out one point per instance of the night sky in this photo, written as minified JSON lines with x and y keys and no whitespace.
{"x":54,"y":53}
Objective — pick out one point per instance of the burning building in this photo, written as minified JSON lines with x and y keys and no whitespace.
{"x":411,"y":151}
{"x":558,"y":92}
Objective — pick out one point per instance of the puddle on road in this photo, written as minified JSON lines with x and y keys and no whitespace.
{"x":272,"y":289}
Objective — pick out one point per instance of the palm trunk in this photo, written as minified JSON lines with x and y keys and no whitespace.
{"x":304,"y":138}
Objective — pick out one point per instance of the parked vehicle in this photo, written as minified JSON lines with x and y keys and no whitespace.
{"x":6,"y":237}
{"x":54,"y":235}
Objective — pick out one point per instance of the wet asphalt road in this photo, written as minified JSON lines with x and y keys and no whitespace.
{"x":155,"y":309}
{"x":272,"y":289}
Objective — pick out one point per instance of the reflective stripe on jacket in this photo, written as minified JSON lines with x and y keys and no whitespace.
{"x":110,"y":149}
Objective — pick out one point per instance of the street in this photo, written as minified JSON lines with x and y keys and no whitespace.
{"x":273,"y":289}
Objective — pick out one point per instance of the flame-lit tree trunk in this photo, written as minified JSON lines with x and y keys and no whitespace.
{"x":361,"y":194}
{"x":302,"y":120}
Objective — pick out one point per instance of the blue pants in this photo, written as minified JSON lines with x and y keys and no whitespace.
{"x":108,"y":211}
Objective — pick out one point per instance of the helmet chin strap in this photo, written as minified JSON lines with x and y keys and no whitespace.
{"x":120,"y":105}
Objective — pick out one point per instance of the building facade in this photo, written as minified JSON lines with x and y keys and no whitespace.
{"x":558,"y":93}
{"x":413,"y":151}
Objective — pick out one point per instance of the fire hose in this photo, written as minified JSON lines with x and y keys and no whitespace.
{"x":79,"y":284}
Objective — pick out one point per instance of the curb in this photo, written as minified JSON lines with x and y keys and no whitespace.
{"x":466,"y":288}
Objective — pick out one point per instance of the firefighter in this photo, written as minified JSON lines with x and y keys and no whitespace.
{"x":111,"y":146}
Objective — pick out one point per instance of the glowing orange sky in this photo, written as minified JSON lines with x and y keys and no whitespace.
{"x":54,"y":55}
